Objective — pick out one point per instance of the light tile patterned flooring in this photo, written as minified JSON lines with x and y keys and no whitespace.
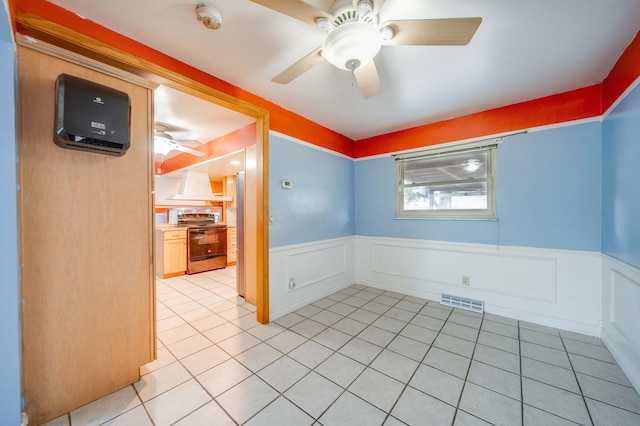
{"x":361,"y":356}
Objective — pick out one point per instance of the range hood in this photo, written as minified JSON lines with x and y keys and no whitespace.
{"x":195,"y":186}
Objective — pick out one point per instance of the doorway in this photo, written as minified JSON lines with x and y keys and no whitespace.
{"x":194,"y":136}
{"x":256,"y":169}
{"x":91,"y":48}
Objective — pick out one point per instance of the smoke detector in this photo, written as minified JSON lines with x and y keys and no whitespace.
{"x":209,"y":16}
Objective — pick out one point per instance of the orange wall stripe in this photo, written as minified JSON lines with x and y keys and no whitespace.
{"x":224,"y":145}
{"x":281,"y":120}
{"x":578,"y":104}
{"x":574,"y":105}
{"x":623,"y":74}
{"x":309,"y":131}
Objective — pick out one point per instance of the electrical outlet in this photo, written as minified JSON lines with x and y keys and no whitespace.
{"x":465,"y":280}
{"x":292,"y":283}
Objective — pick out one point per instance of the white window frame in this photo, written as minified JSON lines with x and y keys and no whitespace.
{"x":452,"y":214}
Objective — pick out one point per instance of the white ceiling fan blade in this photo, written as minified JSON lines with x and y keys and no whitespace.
{"x":296,"y":9}
{"x":433,"y":32}
{"x":300,"y":67}
{"x":368,"y":80}
{"x":377,"y":5}
{"x":189,"y":143}
{"x":188,"y":150}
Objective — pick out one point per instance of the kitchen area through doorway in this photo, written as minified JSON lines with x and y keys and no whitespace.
{"x":204,"y":175}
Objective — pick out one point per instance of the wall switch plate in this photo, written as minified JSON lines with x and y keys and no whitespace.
{"x":465,"y":280}
{"x":292,"y":283}
{"x":287,"y":184}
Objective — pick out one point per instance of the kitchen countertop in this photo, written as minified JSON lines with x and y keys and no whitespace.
{"x":170,"y":227}
{"x":166,"y":227}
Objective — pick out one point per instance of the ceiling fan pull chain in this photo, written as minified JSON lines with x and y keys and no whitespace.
{"x":353,"y":81}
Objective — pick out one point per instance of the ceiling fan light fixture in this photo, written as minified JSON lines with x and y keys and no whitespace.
{"x":351,"y":45}
{"x":387,"y":33}
{"x":364,"y":7}
{"x":324,"y":24}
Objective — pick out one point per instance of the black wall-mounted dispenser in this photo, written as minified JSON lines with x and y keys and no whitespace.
{"x":91,"y":117}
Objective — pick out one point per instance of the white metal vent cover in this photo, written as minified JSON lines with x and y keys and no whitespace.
{"x":462,"y":303}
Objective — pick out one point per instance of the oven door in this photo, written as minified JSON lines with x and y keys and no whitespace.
{"x":207,"y":249}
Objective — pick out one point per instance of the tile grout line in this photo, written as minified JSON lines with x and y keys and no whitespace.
{"x":190,"y":289}
{"x":466,"y":377}
{"x":193,"y":377}
{"x":406,"y":385}
{"x":577,"y":381}
{"x":345,"y":389}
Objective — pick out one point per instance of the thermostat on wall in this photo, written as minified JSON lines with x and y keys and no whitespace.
{"x":287,"y":184}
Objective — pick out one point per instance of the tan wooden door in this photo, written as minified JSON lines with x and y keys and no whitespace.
{"x":86,"y":249}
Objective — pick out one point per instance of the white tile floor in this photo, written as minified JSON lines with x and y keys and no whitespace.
{"x":361,"y":356}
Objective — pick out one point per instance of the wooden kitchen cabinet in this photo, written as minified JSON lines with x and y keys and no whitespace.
{"x":232,"y":245}
{"x":171,"y":252}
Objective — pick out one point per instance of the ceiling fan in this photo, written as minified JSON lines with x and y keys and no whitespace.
{"x":163,"y":142}
{"x":355,"y":36}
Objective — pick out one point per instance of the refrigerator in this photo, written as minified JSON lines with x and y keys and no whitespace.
{"x":240,"y":233}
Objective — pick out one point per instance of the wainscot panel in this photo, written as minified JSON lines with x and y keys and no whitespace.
{"x":556,"y":288}
{"x":303,"y":273}
{"x":621,"y":315}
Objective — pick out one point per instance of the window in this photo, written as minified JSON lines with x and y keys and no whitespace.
{"x":446,"y":184}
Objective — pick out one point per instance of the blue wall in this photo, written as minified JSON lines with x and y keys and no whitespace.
{"x":9,"y":318}
{"x":320,"y":204}
{"x":621,"y":181}
{"x":548,"y":195}
{"x":550,"y":188}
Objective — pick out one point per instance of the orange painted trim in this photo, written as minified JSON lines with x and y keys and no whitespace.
{"x":281,"y":120}
{"x":224,"y":145}
{"x":623,"y":74}
{"x":569,"y":106}
{"x":294,"y":125}
{"x":578,"y":104}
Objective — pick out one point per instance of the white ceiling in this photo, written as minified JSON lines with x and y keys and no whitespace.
{"x":522,"y":50}
{"x":189,"y":118}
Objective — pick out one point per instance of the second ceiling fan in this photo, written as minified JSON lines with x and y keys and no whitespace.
{"x":165,"y":143}
{"x":355,"y":36}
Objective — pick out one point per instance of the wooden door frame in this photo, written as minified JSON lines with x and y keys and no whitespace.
{"x":66,"y":38}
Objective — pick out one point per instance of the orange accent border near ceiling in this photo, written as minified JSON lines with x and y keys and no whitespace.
{"x":578,"y":104}
{"x":569,"y":106}
{"x":623,"y":74}
{"x":218,"y":147}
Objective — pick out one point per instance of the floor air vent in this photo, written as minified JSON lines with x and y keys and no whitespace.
{"x":462,"y":303}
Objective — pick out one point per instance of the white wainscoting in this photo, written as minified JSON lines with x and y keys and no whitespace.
{"x":318,"y":269}
{"x":557,"y":288}
{"x":621,"y":315}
